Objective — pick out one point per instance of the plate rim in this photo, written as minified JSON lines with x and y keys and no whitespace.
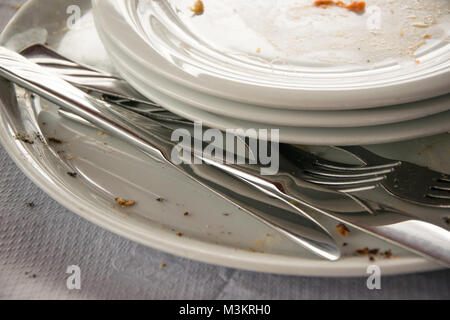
{"x":208,"y":252}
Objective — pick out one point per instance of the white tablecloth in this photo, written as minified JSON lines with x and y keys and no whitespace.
{"x":38,"y":243}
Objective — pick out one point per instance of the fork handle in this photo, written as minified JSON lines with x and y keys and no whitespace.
{"x":368,"y":157}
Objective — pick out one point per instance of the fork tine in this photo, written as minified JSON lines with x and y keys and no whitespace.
{"x":358,"y":189}
{"x":340,"y":182}
{"x":358,"y":174}
{"x":435,"y":194}
{"x":439,"y":192}
{"x":353,"y":189}
{"x":357,"y":168}
{"x":444,"y":180}
{"x":441,"y":188}
{"x":441,"y":184}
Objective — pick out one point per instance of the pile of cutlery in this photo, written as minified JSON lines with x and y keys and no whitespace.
{"x":287,"y":201}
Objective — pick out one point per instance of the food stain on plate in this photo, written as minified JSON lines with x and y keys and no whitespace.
{"x":302,"y":32}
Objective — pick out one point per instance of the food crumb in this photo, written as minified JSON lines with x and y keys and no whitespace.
{"x":198,"y":8}
{"x":179,"y":234}
{"x":24,"y":138}
{"x":420,"y":25}
{"x":387,"y":254}
{"x":162,"y":265}
{"x":186,"y":214}
{"x":54,"y":140}
{"x":160,"y":200}
{"x":125,"y":203}
{"x":255,"y":251}
{"x":367,"y":251}
{"x":38,"y":136}
{"x":372,"y":254}
{"x":30,"y":204}
{"x":72,"y":174}
{"x":342,"y":229}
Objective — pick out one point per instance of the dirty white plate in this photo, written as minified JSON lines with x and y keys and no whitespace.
{"x":214,"y":231}
{"x":297,"y":56}
{"x":147,"y":82}
{"x":277,"y":116}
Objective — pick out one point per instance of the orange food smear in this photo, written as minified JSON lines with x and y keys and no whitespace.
{"x":355,"y":6}
{"x":324,"y":3}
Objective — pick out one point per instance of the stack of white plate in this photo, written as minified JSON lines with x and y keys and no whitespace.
{"x":323,"y":76}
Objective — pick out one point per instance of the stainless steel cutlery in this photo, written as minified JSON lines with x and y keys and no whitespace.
{"x":296,"y":191}
{"x":402,"y":179}
{"x":154,"y":140}
{"x":408,"y":181}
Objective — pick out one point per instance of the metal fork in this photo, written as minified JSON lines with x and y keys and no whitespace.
{"x":408,"y":181}
{"x":404,"y":180}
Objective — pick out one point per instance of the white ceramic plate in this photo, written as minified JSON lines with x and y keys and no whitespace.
{"x":327,"y":68}
{"x":144,"y":83}
{"x":283,"y":117}
{"x":114,"y":168}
